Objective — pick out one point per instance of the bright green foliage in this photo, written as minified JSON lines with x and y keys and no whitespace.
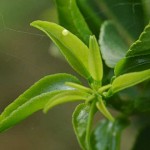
{"x":80,"y":48}
{"x":68,"y":44}
{"x":95,"y":60}
{"x":34,"y":99}
{"x":129,"y":79}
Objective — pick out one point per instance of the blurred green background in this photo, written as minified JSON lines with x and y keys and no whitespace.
{"x":25,"y":57}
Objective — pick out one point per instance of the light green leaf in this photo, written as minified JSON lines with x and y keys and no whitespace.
{"x":102,"y":108}
{"x":113,"y":46}
{"x":34,"y":99}
{"x":82,"y":121}
{"x":107,"y":135}
{"x":74,"y":50}
{"x":138,"y":56}
{"x":127,"y":80}
{"x":65,"y":96}
{"x":95,"y":61}
{"x":71,"y":18}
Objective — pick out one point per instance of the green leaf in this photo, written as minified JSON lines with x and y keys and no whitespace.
{"x":127,"y":80}
{"x":71,"y":18}
{"x":113,"y":46}
{"x":127,"y":15}
{"x":88,"y":8}
{"x":74,"y":50}
{"x":34,"y":99}
{"x":138,"y":56}
{"x":82,"y":121}
{"x":95,"y":61}
{"x":65,"y":96}
{"x":107,"y":135}
{"x":102,"y":108}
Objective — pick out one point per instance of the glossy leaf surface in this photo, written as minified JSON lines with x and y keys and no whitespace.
{"x":82,"y":119}
{"x":34,"y":99}
{"x":107,"y":135}
{"x":71,"y":18}
{"x":113,"y":46}
{"x":74,"y":50}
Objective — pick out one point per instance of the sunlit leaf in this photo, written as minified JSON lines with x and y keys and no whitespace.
{"x":74,"y":50}
{"x":95,"y":61}
{"x":34,"y":99}
{"x":127,"y":80}
{"x":65,"y":96}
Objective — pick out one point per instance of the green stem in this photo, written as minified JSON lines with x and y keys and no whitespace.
{"x":102,"y":108}
{"x":89,"y":125}
{"x":104,"y":88}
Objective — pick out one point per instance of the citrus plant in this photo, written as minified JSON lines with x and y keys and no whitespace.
{"x":115,"y":64}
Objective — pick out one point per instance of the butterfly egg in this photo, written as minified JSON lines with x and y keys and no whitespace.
{"x":65,"y":32}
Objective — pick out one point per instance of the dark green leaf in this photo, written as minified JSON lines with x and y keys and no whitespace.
{"x":128,"y":16}
{"x":138,"y":56}
{"x":91,"y":15}
{"x":74,"y":50}
{"x":71,"y":18}
{"x":34,"y":99}
{"x":113,"y":46}
{"x":107,"y":135}
{"x":82,"y":120}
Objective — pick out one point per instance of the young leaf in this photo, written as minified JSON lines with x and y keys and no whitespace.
{"x":95,"y":61}
{"x":74,"y":50}
{"x":138,"y":56}
{"x":71,"y":18}
{"x":113,"y":46}
{"x":34,"y":99}
{"x":82,"y":120}
{"x":102,"y":108}
{"x":65,"y":96}
{"x":127,"y":80}
{"x":107,"y":135}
